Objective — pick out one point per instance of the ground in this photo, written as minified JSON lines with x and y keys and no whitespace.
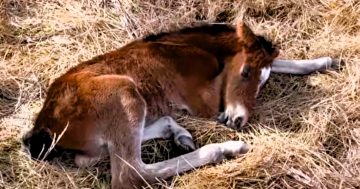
{"x":305,"y":132}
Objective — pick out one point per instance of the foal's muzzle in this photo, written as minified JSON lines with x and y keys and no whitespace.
{"x":233,"y":124}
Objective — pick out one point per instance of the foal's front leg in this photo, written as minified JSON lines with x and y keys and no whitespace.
{"x":165,"y":127}
{"x":302,"y":67}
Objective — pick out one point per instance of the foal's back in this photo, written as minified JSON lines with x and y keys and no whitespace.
{"x":164,"y":73}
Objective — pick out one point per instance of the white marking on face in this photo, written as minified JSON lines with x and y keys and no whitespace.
{"x":264,"y":76}
{"x":241,"y":69}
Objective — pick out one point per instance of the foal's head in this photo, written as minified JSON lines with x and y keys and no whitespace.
{"x":243,"y":75}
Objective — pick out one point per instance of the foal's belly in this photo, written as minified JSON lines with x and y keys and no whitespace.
{"x":197,"y":96}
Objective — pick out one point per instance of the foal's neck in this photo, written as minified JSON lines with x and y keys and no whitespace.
{"x":222,"y":44}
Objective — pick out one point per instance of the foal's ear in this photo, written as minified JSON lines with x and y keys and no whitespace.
{"x":275,"y":53}
{"x":245,"y":33}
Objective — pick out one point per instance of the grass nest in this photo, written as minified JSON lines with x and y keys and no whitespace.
{"x":305,"y":132}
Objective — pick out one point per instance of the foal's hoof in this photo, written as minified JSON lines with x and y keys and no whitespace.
{"x":234,"y":148}
{"x":337,"y":64}
{"x":185,"y":142}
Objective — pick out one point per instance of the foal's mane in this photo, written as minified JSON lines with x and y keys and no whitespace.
{"x":211,"y":29}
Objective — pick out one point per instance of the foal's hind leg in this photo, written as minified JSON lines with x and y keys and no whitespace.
{"x":121,"y":111}
{"x":123,"y":116}
{"x":165,"y":127}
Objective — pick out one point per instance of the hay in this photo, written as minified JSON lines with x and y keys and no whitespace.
{"x":305,"y":132}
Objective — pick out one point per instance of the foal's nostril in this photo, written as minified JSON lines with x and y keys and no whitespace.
{"x":238,"y":122}
{"x":222,"y":118}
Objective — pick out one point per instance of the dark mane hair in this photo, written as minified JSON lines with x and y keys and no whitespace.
{"x":211,"y":29}
{"x":268,"y":45}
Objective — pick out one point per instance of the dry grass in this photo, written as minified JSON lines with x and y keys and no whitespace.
{"x":306,"y":130}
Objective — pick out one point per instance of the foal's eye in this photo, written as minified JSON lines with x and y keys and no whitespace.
{"x":245,"y":73}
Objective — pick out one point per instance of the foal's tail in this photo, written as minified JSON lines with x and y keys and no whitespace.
{"x":38,"y":143}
